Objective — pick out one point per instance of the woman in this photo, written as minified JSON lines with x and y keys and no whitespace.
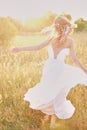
{"x":49,"y":95}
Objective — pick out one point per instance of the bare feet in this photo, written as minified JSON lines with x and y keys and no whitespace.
{"x":49,"y":119}
{"x":46,"y":119}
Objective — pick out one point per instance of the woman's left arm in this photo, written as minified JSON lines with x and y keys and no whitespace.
{"x":74,"y":57}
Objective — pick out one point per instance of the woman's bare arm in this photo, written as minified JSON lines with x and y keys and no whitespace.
{"x":74,"y":57}
{"x":33,"y":48}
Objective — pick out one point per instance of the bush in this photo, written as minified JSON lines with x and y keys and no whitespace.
{"x":81,"y":25}
{"x":7,"y":33}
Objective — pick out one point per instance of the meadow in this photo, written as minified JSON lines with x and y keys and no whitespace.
{"x":21,"y":71}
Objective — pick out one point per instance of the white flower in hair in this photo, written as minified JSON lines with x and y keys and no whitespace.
{"x":67,"y":29}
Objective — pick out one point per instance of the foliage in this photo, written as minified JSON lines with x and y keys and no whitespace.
{"x":17,"y":23}
{"x":37,"y":24}
{"x":7,"y":32}
{"x":81,"y":24}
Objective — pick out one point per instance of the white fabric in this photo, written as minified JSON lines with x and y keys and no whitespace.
{"x":49,"y":95}
{"x":67,"y":29}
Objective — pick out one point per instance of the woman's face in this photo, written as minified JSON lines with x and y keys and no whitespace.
{"x":60,"y":24}
{"x":59,"y":28}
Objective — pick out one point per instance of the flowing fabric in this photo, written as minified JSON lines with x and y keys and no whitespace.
{"x":49,"y":95}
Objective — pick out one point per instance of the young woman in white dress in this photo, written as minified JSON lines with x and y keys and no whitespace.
{"x":49,"y":95}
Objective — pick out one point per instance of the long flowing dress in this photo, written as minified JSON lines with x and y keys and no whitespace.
{"x":49,"y":95}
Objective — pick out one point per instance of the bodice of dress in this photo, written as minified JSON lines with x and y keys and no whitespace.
{"x":61,"y":56}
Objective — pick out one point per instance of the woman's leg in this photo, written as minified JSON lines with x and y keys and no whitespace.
{"x":46,"y":119}
{"x":53,"y":120}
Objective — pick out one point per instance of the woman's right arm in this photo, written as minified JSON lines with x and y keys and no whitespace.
{"x":33,"y":48}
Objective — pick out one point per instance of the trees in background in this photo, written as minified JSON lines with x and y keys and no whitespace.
{"x":10,"y":27}
{"x":7,"y":32}
{"x":37,"y":24}
{"x":81,"y":24}
{"x":17,"y":23}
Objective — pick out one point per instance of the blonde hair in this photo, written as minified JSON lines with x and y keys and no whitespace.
{"x":63,"y":22}
{"x":59,"y":21}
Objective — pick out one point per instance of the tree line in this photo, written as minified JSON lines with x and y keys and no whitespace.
{"x":10,"y":27}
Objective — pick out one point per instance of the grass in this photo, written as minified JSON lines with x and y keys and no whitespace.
{"x":28,"y":40}
{"x":19,"y":72}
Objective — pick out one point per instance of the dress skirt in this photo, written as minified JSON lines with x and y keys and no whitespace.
{"x":49,"y":95}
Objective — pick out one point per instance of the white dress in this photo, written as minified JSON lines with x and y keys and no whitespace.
{"x":49,"y":95}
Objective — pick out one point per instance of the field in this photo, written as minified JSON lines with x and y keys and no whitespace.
{"x":20,"y":71}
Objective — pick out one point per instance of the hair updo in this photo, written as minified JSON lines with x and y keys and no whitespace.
{"x":63,"y":22}
{"x":59,"y":22}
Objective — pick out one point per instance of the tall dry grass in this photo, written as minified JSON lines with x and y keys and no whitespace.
{"x":19,"y":72}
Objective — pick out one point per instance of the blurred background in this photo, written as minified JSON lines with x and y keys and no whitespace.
{"x":22,"y":23}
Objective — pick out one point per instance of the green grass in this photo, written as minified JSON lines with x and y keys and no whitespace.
{"x":28,"y":40}
{"x":19,"y":72}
